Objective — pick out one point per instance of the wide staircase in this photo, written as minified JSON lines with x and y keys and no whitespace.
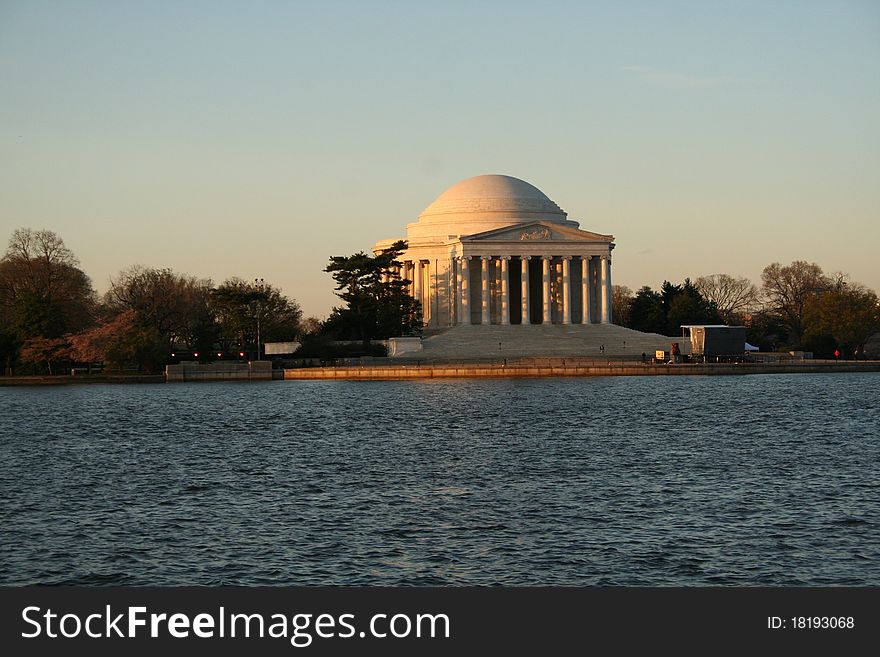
{"x":536,"y":340}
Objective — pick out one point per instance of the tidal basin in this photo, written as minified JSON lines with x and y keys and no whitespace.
{"x":758,"y":480}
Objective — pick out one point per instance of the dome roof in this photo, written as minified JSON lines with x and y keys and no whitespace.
{"x":481,"y":204}
{"x":513,"y":197}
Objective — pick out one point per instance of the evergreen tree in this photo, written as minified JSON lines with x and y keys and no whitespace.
{"x":646,"y":312}
{"x":666,"y":311}
{"x":685,"y":305}
{"x":377,"y":299}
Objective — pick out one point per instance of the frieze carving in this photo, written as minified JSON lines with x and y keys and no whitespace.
{"x":535,"y":234}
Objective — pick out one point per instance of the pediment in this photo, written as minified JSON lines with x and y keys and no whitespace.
{"x":538,"y":231}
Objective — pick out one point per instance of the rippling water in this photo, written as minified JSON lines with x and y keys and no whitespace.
{"x":597,"y":481}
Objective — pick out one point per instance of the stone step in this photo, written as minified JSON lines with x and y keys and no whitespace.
{"x":477,"y":341}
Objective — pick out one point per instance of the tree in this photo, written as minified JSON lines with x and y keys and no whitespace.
{"x":42,"y":289}
{"x":765,"y":330}
{"x":93,"y":346}
{"x":311,"y":326}
{"x":621,"y":300}
{"x":9,"y":343}
{"x":789,"y":289}
{"x":39,"y":350}
{"x":173,"y":306}
{"x":849,"y":315}
{"x":731,"y":295}
{"x":685,"y":305}
{"x":378,"y":303}
{"x":666,"y":311}
{"x":646,"y":312}
{"x":119,"y":341}
{"x":242,"y":310}
{"x":43,"y":292}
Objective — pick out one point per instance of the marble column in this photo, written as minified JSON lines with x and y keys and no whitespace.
{"x":524,"y":279}
{"x":566,"y":290}
{"x":505,"y":290}
{"x":427,"y":293}
{"x":486,"y":300}
{"x":586,"y":315}
{"x":464,"y":285}
{"x":610,"y":291}
{"x":417,"y":283}
{"x":546,"y":276}
{"x":605,"y":290}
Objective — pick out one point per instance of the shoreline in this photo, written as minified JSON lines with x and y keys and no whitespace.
{"x":555,"y":367}
{"x":81,"y":379}
{"x":611,"y":368}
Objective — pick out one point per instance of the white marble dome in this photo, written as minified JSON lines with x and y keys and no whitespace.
{"x":497,"y":250}
{"x":484,"y":203}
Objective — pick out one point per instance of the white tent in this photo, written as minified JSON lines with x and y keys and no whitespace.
{"x":751,"y":347}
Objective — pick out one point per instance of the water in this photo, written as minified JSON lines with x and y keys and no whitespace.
{"x":753,"y":480}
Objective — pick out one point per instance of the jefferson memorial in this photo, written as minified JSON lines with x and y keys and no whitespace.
{"x":496,"y":250}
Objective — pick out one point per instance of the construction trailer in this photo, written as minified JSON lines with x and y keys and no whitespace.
{"x":715,"y":340}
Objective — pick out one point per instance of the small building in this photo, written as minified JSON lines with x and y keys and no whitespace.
{"x":715,"y":339}
{"x":280,"y":348}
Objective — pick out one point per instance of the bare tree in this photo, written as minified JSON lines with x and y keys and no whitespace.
{"x":838,"y":281}
{"x":621,"y":300}
{"x":39,"y":259}
{"x":311,"y":326}
{"x":849,"y":313}
{"x":46,"y":245}
{"x":788,"y":290}
{"x":732,"y":295}
{"x":175,"y":305}
{"x":42,"y":288}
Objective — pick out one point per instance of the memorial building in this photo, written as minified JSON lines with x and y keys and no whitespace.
{"x":495,"y":250}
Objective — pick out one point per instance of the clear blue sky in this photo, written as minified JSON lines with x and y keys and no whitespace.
{"x":260,"y":138}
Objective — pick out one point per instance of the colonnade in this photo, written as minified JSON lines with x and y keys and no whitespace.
{"x":494,"y":284}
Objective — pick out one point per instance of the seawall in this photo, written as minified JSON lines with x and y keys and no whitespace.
{"x":61,"y":379}
{"x":436,"y":370}
{"x":260,"y":370}
{"x":440,"y":371}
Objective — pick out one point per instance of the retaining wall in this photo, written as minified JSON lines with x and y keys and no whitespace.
{"x":606,"y":369}
{"x":260,"y":370}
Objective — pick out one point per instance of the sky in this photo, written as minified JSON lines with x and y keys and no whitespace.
{"x":257,"y":139}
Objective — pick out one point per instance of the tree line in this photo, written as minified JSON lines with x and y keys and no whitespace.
{"x":51,"y":316}
{"x":796,"y":307}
